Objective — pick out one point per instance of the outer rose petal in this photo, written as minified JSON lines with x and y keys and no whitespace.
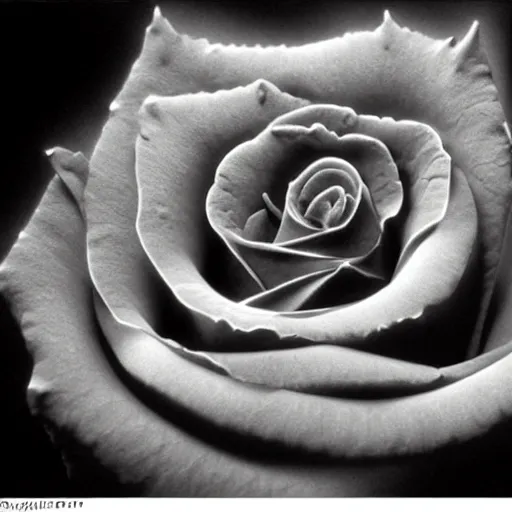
{"x":111,"y":442}
{"x":450,"y":79}
{"x":393,"y":72}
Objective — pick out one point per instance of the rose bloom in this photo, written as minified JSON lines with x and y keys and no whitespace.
{"x":272,"y":276}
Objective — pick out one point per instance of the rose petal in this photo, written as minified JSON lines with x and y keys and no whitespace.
{"x":111,"y":442}
{"x":378,"y":170}
{"x":73,"y":170}
{"x":451,"y":78}
{"x":398,"y":72}
{"x":411,"y":425}
{"x":328,"y":208}
{"x":343,"y":372}
{"x":260,"y":227}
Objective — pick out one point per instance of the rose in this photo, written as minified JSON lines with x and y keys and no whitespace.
{"x":75,"y":186}
{"x":323,"y":445}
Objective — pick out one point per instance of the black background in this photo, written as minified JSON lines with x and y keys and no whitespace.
{"x":62,"y":63}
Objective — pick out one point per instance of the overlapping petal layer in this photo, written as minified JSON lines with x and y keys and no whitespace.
{"x":269,"y":163}
{"x":374,"y":322}
{"x":264,"y":164}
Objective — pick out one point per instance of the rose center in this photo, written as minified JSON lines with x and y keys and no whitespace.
{"x":328,"y":196}
{"x":327,"y":208}
{"x":323,"y":196}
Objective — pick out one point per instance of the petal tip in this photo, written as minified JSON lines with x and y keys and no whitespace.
{"x":468,"y":45}
{"x":450,"y":42}
{"x":150,"y":107}
{"x":263,"y":88}
{"x":64,"y":160}
{"x":266,"y":90}
{"x":58,"y":155}
{"x":36,"y":389}
{"x":157,"y":24}
{"x":114,"y":106}
{"x":388,"y":20}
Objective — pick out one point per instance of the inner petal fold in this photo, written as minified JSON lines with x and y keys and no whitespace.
{"x":307,"y":189}
{"x":327,"y":208}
